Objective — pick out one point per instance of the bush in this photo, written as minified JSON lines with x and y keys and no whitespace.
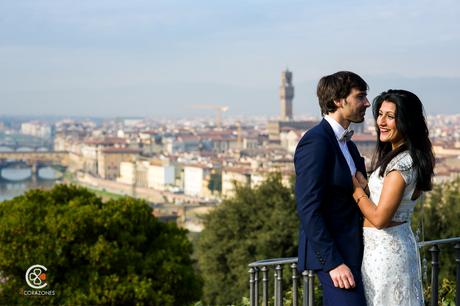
{"x":113,"y":253}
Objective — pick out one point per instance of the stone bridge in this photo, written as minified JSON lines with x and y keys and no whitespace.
{"x":34,"y":159}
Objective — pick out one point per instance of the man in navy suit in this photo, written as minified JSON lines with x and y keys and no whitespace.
{"x":330,"y":240}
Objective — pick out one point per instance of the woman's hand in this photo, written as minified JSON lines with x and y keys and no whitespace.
{"x":360,"y":182}
{"x":358,"y":191}
{"x":356,"y":183}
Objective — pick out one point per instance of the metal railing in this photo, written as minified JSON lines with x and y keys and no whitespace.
{"x":308,"y":279}
{"x":277,"y":266}
{"x":434,"y":250}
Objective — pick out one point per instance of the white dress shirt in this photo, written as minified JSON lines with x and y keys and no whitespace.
{"x":338,"y":131}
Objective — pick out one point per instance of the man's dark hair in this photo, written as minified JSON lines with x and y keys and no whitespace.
{"x":335,"y":87}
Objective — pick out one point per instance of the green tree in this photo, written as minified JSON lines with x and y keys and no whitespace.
{"x":96,"y":253}
{"x":255,"y":224}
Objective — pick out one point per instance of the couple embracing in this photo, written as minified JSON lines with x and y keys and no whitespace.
{"x":355,"y":230}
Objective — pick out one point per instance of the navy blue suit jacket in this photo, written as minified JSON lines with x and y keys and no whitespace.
{"x":330,"y":220}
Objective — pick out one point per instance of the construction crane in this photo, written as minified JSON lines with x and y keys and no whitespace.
{"x":218,"y":108}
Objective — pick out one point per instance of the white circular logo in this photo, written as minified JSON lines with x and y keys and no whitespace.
{"x":36,"y":276}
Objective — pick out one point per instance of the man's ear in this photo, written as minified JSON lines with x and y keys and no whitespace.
{"x":339,"y":102}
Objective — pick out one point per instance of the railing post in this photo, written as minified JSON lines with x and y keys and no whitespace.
{"x":275,"y":284}
{"x":306,"y":286}
{"x":279,"y":286}
{"x":256,"y":286}
{"x":311,"y":285}
{"x":251,"y":286}
{"x":457,"y":260}
{"x":295,"y":276}
{"x":434,"y":274}
{"x":264,"y":286}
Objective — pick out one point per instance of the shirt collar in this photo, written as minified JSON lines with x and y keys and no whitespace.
{"x":336,"y":127}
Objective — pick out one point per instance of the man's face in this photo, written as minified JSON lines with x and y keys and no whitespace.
{"x":354,"y":105}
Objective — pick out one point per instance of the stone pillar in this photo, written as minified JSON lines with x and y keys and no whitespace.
{"x":34,"y":168}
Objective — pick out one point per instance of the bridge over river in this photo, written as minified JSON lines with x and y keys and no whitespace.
{"x":28,"y":163}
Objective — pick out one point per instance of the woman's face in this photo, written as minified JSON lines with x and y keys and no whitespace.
{"x":386,"y":122}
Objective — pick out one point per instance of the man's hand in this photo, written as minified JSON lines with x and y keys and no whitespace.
{"x":342,"y":277}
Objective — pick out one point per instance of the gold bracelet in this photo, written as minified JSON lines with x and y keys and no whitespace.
{"x":359,"y":199}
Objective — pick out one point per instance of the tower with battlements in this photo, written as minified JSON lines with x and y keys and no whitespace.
{"x":286,"y":95}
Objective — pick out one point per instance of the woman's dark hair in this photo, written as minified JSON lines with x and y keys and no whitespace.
{"x":411,"y":123}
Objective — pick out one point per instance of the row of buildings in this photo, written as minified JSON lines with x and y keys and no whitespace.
{"x":208,"y":170}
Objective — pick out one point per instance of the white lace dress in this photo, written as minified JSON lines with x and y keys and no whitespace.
{"x":391,"y":262}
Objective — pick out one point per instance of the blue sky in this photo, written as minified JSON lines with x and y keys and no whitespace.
{"x":158,"y":58}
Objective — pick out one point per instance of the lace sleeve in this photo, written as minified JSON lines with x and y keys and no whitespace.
{"x":402,"y":163}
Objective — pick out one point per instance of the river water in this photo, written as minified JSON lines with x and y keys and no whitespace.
{"x":16,"y":181}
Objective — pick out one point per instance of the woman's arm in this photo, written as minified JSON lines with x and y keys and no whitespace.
{"x":380,"y":215}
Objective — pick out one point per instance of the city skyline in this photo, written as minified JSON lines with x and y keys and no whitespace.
{"x":142,"y":59}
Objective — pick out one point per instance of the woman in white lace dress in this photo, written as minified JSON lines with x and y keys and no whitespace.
{"x":403,"y":167}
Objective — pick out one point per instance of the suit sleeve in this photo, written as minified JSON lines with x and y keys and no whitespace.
{"x":312,"y":160}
